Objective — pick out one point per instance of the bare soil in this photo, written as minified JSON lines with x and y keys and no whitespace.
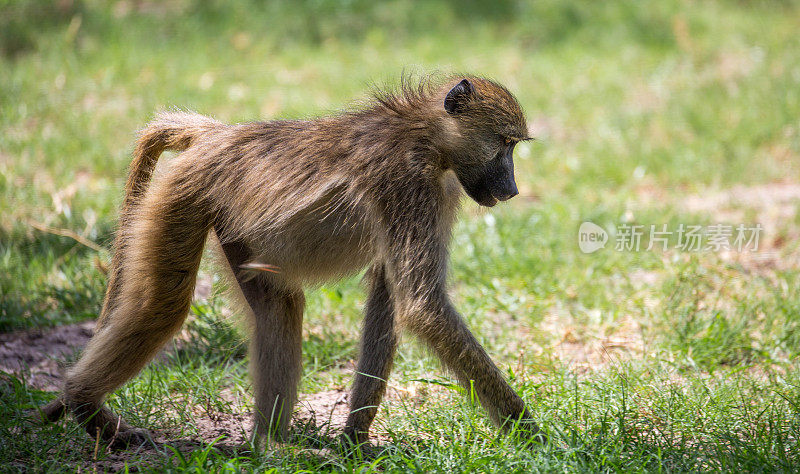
{"x":39,"y":357}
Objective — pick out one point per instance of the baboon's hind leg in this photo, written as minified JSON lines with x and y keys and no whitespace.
{"x":275,"y":348}
{"x":153,"y":302}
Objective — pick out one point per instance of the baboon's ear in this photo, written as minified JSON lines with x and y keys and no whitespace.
{"x":458,"y":96}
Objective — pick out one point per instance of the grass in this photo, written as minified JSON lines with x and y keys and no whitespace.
{"x":632,"y":361}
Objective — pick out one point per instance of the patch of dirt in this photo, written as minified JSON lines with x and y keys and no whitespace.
{"x":39,"y":357}
{"x":773,"y":202}
{"x":774,"y":206}
{"x":591,"y":347}
{"x":329,"y":408}
{"x":325,"y":411}
{"x":39,"y":354}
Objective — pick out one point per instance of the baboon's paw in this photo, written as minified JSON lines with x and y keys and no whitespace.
{"x":130,"y":438}
{"x":529,"y":432}
{"x":355,"y":444}
{"x":51,"y":412}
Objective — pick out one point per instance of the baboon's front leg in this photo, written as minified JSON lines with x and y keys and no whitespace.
{"x":416,"y":264}
{"x":445,"y":331}
{"x":275,"y":348}
{"x":378,"y":343}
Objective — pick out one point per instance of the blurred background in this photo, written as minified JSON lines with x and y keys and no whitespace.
{"x":661,"y":112}
{"x":630,"y":101}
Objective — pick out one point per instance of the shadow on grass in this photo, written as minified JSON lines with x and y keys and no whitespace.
{"x":48,"y":279}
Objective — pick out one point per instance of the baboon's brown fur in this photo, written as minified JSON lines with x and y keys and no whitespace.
{"x":320,"y":199}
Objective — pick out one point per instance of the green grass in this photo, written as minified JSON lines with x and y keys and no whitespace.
{"x":632,"y":361}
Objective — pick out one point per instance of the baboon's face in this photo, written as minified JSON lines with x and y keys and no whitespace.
{"x":492,"y":124}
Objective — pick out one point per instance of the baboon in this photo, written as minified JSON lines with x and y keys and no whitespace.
{"x":317,"y":200}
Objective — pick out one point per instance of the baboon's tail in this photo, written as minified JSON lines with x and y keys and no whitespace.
{"x":169,"y":131}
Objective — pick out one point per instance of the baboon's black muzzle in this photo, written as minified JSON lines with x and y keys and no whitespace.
{"x":501,"y":176}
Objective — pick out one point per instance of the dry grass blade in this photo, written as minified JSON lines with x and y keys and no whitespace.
{"x":66,"y":233}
